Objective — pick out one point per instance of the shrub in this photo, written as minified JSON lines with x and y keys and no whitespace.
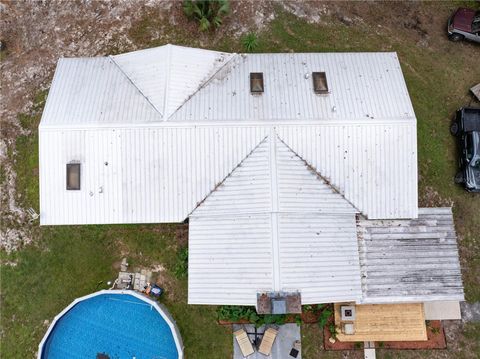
{"x":234,"y":313}
{"x":324,"y":317}
{"x":333,"y":330}
{"x":206,"y":12}
{"x":181,"y":266}
{"x":250,"y":42}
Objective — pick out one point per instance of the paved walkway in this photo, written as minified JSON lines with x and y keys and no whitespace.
{"x":287,"y":335}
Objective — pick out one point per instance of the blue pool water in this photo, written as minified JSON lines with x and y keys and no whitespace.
{"x":118,"y":325}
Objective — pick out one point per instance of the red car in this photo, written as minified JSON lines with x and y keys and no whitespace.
{"x":464,"y":24}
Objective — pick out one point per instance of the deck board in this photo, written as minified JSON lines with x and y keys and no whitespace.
{"x":385,"y":322}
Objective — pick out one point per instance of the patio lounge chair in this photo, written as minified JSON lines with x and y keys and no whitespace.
{"x":243,"y":342}
{"x":267,"y":341}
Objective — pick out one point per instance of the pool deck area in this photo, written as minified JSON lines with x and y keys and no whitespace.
{"x":287,"y":335}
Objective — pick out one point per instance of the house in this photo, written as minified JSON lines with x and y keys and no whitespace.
{"x":297,"y":172}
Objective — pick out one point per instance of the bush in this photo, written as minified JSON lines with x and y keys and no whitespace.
{"x":324,"y":317}
{"x":250,"y":42}
{"x":234,"y":313}
{"x":206,"y":12}
{"x":181,"y":266}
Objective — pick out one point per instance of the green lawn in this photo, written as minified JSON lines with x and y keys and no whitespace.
{"x":69,"y":261}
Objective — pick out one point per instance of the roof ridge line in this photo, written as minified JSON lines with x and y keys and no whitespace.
{"x":318,"y":174}
{"x":227,"y":176}
{"x":134,"y":85}
{"x":168,"y":65}
{"x":204,"y":84}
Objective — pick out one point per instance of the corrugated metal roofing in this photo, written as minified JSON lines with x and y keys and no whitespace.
{"x":280,"y":214}
{"x":94,"y":91}
{"x":410,"y":260}
{"x":364,"y":143}
{"x":373,"y":165}
{"x":160,"y":173}
{"x":361,"y":86}
{"x":168,"y":75}
{"x":136,"y":175}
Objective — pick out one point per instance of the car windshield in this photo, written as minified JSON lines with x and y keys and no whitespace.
{"x":476,"y":22}
{"x":473,"y":149}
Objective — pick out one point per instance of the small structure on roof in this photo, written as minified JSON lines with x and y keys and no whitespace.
{"x":297,"y":172}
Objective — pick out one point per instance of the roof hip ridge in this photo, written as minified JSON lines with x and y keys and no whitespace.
{"x":205,"y":83}
{"x":228,"y":175}
{"x":111,"y":57}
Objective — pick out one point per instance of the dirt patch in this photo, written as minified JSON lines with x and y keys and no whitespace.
{"x":181,"y":234}
{"x":429,"y":197}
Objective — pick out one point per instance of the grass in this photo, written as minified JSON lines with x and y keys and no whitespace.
{"x":69,"y":261}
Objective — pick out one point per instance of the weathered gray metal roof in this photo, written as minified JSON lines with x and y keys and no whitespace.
{"x":410,"y":260}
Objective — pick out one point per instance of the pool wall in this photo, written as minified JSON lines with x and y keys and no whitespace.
{"x":160,"y":309}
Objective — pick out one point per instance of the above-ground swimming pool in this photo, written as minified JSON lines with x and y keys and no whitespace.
{"x":112,"y":324}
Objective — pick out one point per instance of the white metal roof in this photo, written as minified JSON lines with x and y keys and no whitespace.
{"x":361,"y":86}
{"x":168,"y":75}
{"x":412,"y":260}
{"x":94,"y":91}
{"x":361,"y":136}
{"x":274,"y":224}
{"x":157,"y":174}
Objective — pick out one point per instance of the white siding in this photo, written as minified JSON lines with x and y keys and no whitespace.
{"x":362,"y":86}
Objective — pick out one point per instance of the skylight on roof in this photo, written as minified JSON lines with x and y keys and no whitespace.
{"x":320,"y":84}
{"x":256,"y":82}
{"x":73,"y":176}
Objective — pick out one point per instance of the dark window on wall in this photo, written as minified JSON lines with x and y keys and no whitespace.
{"x":73,"y":176}
{"x":256,"y":82}
{"x":320,"y":84}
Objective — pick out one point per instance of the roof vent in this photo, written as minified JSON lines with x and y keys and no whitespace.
{"x":320,"y":84}
{"x":256,"y":82}
{"x":73,"y":176}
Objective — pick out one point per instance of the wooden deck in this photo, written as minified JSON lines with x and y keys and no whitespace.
{"x":385,"y":322}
